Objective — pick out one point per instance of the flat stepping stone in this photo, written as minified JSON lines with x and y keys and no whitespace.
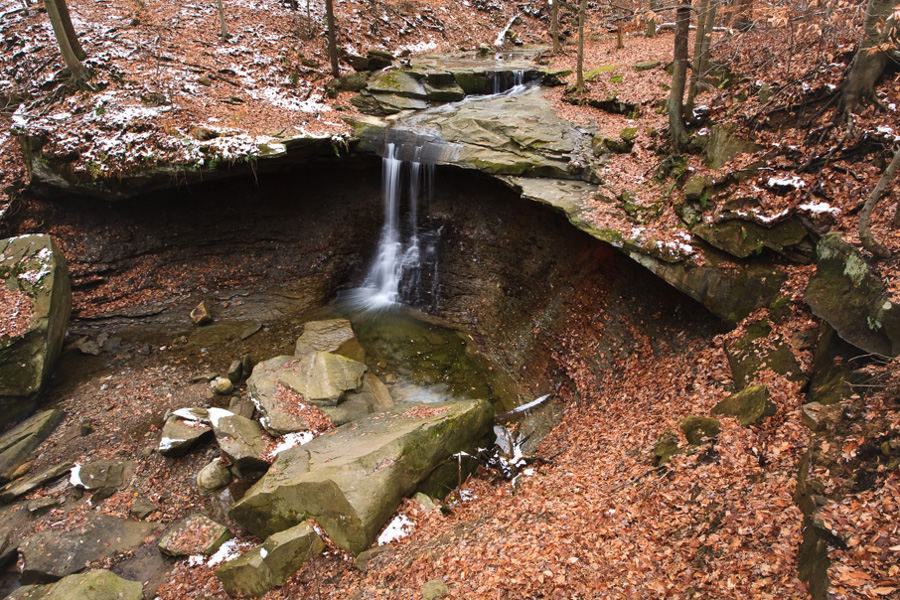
{"x":183,"y":430}
{"x":352,"y":479}
{"x":197,"y":534}
{"x":53,"y":554}
{"x":102,"y":474}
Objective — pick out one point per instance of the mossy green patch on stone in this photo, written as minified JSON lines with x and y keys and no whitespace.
{"x":698,"y":429}
{"x":750,"y":405}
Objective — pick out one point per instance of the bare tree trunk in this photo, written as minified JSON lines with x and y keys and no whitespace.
{"x":698,"y":50}
{"x":224,"y":33}
{"x":869,"y":61}
{"x":743,"y":15}
{"x":332,"y":39}
{"x":865,"y":234}
{"x":69,"y":47}
{"x":579,"y":68}
{"x":707,"y":36}
{"x":679,"y":74}
{"x":554,"y":26}
{"x":651,"y":22}
{"x":620,"y":34}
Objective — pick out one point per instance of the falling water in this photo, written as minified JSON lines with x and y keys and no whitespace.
{"x":508,"y":81}
{"x":405,"y":265}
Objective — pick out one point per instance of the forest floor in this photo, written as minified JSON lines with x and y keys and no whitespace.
{"x":596,"y":519}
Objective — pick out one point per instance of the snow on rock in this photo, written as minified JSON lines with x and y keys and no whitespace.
{"x":782,"y":182}
{"x":293,"y":440}
{"x":818,"y":208}
{"x":75,"y":476}
{"x":400,"y":527}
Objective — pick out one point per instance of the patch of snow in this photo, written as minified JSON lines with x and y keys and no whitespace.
{"x":418,"y":48}
{"x":292,"y":440}
{"x":263,"y":553}
{"x":818,"y":208}
{"x":400,"y":527}
{"x":168,"y":443}
{"x":227,"y":551}
{"x":531,"y":404}
{"x":195,"y":560}
{"x":186,"y":414}
{"x":215,"y":414}
{"x":792,"y":181}
{"x":75,"y":476}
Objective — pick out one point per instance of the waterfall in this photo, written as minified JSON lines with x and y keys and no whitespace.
{"x":508,"y":81}
{"x":405,"y":267}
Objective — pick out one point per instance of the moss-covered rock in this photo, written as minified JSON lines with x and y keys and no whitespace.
{"x":747,"y":357}
{"x":665,"y":448}
{"x":35,"y":282}
{"x":845,"y":293}
{"x":742,"y":238}
{"x":698,"y":429}
{"x":398,"y":83}
{"x":352,"y":479}
{"x":724,"y":145}
{"x":751,"y":405}
{"x":92,"y":585}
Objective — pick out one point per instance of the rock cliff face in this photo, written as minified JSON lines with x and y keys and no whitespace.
{"x":34,"y":283}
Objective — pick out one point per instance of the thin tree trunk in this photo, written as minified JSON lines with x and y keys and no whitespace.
{"x":865,"y":234}
{"x":224,"y":33}
{"x":579,"y":68}
{"x":651,"y":22}
{"x":743,"y":15}
{"x":332,"y":39}
{"x":554,"y":26}
{"x":69,"y":47}
{"x":620,"y":34}
{"x":698,"y":50}
{"x":707,"y":37}
{"x":869,"y":61}
{"x":679,"y":74}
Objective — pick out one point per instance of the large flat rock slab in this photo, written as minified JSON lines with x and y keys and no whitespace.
{"x":352,"y":479}
{"x":17,"y":444}
{"x":53,"y":554}
{"x":35,"y":303}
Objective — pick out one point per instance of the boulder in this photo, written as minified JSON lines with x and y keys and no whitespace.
{"x":17,"y":444}
{"x":102,"y":474}
{"x":398,"y":83}
{"x":196,"y":534}
{"x":180,"y":434}
{"x":21,"y":487}
{"x":14,"y":524}
{"x":352,"y":479}
{"x":213,"y":477}
{"x":371,"y":398}
{"x":52,"y":554}
{"x":334,"y":335}
{"x":698,"y":429}
{"x":35,"y":303}
{"x":747,"y":357}
{"x":749,"y":405}
{"x":242,"y":440}
{"x":818,"y":416}
{"x":434,"y":589}
{"x":246,"y":576}
{"x":851,"y":298}
{"x":93,"y":585}
{"x":323,"y":378}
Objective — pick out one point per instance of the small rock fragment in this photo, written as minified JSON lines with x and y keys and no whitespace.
{"x":434,"y":589}
{"x":142,"y":507}
{"x":222,"y":386}
{"x":201,"y":315}
{"x":212,"y":477}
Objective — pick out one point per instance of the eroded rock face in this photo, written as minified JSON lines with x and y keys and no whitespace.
{"x":93,"y":585}
{"x":352,"y":479}
{"x":749,"y":406}
{"x":748,"y":358}
{"x":35,"y":300}
{"x":845,"y":293}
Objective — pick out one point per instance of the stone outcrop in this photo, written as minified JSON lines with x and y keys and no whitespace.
{"x":37,"y":301}
{"x":845,"y":293}
{"x":93,"y":585}
{"x":20,"y":487}
{"x":748,"y":358}
{"x":102,"y":474}
{"x":17,"y":444}
{"x":351,"y":479}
